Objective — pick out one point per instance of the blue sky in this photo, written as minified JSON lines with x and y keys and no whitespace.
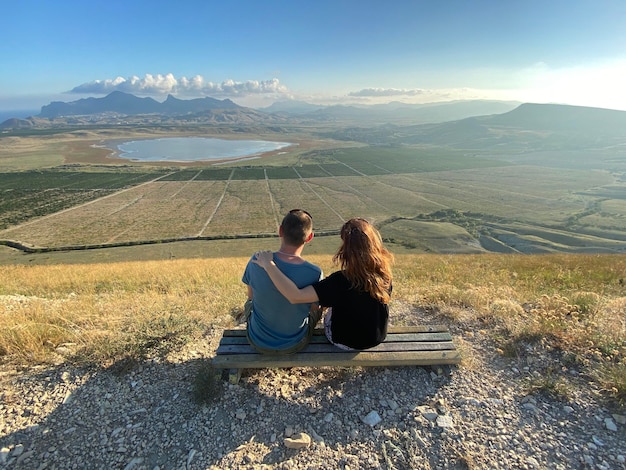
{"x":327,"y":52}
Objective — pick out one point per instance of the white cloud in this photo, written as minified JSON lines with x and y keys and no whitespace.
{"x":413,"y":95}
{"x":194,"y":86}
{"x":380,"y":92}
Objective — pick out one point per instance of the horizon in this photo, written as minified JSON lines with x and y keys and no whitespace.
{"x":349,"y":53}
{"x":28,"y":113}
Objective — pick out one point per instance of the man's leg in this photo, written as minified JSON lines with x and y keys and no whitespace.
{"x":315,"y":314}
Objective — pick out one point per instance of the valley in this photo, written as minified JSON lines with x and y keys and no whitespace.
{"x":64,"y":191}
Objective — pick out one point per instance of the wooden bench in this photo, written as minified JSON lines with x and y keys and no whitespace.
{"x":404,"y":346}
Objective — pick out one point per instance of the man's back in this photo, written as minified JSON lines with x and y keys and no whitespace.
{"x":275,"y":323}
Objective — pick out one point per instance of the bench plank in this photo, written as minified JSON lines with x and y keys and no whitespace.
{"x":321,"y":339}
{"x":320,"y":348}
{"x":338,"y":359}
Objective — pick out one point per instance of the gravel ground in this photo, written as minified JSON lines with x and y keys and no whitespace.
{"x":478,"y":415}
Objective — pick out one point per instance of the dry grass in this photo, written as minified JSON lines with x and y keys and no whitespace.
{"x":99,"y":313}
{"x":106,"y":312}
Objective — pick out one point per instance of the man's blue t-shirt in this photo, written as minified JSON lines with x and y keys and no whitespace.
{"x":275,"y":323}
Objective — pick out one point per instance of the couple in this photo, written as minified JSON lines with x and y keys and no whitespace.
{"x":286,"y":293}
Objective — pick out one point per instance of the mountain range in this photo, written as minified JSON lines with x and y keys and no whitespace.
{"x":127,"y":104}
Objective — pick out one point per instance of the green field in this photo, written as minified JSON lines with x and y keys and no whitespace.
{"x":425,"y":199}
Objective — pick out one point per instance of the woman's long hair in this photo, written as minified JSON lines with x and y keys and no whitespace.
{"x":364,"y":260}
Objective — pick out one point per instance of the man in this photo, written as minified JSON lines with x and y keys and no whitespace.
{"x":274,"y":325}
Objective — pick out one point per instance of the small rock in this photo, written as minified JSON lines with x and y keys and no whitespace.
{"x":17,"y":450}
{"x":533,"y":462}
{"x":298,"y":441}
{"x":190,"y":456}
{"x":289,"y":431}
{"x":372,"y":418}
{"x":597,"y":441}
{"x":620,"y":419}
{"x":568,"y":409}
{"x":530,"y":407}
{"x":444,"y":421}
{"x":316,"y":437}
{"x":133,"y":463}
{"x":24,"y":456}
{"x":428,"y":413}
{"x":610,"y":424}
{"x":4,"y":454}
{"x":497,"y":401}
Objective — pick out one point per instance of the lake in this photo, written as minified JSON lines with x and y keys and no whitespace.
{"x":191,"y":149}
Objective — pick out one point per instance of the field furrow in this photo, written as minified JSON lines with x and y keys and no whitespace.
{"x":351,"y":202}
{"x":245,"y":209}
{"x":401,"y":200}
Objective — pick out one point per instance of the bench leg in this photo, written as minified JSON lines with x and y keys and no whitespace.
{"x":234,"y":375}
{"x":218,"y":374}
{"x":441,"y":370}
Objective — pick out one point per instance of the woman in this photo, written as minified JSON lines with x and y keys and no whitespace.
{"x":358,"y":295}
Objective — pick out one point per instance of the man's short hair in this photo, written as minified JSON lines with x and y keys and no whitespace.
{"x":296,"y":226}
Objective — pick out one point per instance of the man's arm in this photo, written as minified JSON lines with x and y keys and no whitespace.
{"x":285,"y":285}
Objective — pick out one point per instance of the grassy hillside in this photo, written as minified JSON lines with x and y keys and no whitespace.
{"x":569,"y":306}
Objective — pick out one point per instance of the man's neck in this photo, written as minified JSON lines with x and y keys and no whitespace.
{"x":290,"y":253}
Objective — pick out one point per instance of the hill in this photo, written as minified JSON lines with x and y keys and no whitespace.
{"x":17,"y":123}
{"x":562,"y":118}
{"x":527,"y":127}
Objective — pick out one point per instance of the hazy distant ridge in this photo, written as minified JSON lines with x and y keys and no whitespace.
{"x":556,"y":117}
{"x":528,"y":127}
{"x":394,"y":111}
